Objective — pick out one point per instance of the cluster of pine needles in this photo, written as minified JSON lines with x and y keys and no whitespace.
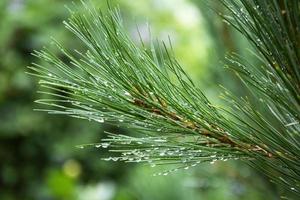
{"x":144,"y":88}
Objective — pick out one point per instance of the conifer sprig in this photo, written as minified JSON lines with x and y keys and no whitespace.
{"x":145,"y":89}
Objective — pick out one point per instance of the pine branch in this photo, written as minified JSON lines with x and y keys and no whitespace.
{"x":117,"y":81}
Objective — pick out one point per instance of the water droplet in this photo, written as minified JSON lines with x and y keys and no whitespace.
{"x":124,"y":158}
{"x":115,"y":159}
{"x":152,"y":165}
{"x":160,"y":140}
{"x":100,"y":120}
{"x":105,"y":145}
{"x":107,"y":159}
{"x":105,"y":83}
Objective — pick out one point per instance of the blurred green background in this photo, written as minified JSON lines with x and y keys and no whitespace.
{"x":38,"y":158}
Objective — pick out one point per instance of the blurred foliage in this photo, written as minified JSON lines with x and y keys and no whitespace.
{"x":38,"y":155}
